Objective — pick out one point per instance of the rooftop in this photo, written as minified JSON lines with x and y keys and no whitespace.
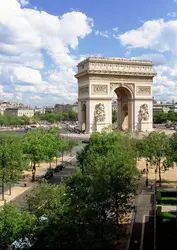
{"x":115,"y":60}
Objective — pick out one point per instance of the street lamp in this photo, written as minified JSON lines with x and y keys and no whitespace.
{"x":147,"y":170}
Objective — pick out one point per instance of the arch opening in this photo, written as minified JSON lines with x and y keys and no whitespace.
{"x":83,"y":117}
{"x":124,"y":108}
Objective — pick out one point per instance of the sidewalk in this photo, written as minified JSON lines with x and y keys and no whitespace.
{"x":142,"y":231}
{"x":19,"y":188}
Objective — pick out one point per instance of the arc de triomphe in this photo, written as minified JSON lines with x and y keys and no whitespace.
{"x":131,"y":80}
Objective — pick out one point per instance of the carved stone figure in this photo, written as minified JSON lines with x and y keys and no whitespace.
{"x":143,"y":113}
{"x":99,"y":112}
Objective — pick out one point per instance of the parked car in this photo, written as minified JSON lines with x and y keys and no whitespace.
{"x":59,"y":167}
{"x":48,"y":174}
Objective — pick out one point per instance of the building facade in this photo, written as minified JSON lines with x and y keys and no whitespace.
{"x":19,"y":112}
{"x":131,"y":80}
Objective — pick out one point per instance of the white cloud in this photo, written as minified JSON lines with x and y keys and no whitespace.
{"x":28,"y":75}
{"x":23,"y":2}
{"x":35,"y":97}
{"x":32,"y":41}
{"x":156,"y":34}
{"x":128,"y":53}
{"x":102,"y":33}
{"x":116,"y":29}
{"x":172,"y":14}
{"x":157,"y":59}
{"x":160,"y":36}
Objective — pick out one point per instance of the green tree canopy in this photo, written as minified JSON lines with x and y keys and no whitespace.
{"x":14,"y":224}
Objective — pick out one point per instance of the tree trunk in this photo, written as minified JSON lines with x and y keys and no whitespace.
{"x":34,"y":172}
{"x":10,"y":189}
{"x":3,"y":179}
{"x":56,"y":161}
{"x":50,"y":164}
{"x":2,"y":190}
{"x":62,"y":154}
{"x":117,"y":214}
{"x":160,"y":179}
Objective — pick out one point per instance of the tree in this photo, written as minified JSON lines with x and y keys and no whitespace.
{"x":14,"y":224}
{"x":111,"y":162}
{"x":50,"y":146}
{"x":114,"y":116}
{"x":85,"y":213}
{"x":51,"y":201}
{"x":173,"y":148}
{"x":155,"y":149}
{"x":33,"y":148}
{"x":70,"y":145}
{"x":160,"y":117}
{"x":12,"y":162}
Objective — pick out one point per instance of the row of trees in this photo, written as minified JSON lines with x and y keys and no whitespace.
{"x":162,"y":117}
{"x":8,"y":120}
{"x":16,"y":152}
{"x":159,"y":150}
{"x":70,"y":115}
{"x":87,"y":211}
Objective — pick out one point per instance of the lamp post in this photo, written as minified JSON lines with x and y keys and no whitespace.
{"x":147,"y":170}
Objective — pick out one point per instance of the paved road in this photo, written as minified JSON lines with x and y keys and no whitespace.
{"x":56,"y":179}
{"x":142,"y":233}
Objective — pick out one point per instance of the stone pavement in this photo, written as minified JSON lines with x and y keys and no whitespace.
{"x":18,"y":189}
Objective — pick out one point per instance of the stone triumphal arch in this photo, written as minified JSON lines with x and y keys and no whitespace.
{"x":131,"y":80}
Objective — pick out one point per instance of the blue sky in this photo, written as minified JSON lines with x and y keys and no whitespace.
{"x":41,"y":43}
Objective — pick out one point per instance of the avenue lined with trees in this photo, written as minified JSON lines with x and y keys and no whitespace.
{"x":18,"y":151}
{"x":90,"y":210}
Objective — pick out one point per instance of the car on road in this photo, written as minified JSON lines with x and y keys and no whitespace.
{"x":48,"y":174}
{"x":59,"y":168}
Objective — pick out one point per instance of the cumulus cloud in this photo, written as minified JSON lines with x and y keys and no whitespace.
{"x":31,"y":41}
{"x":160,"y":36}
{"x":23,"y":2}
{"x":157,"y":59}
{"x":155,"y":34}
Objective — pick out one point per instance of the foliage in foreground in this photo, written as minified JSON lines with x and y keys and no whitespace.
{"x":86,"y":212}
{"x":93,"y":200}
{"x":14,"y":224}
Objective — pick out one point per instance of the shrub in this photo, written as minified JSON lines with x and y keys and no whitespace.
{"x":158,"y":197}
{"x":167,"y":193}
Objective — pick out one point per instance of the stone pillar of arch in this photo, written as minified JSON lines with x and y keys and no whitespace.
{"x":131,"y":80}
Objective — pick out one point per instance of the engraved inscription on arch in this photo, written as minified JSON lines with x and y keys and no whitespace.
{"x":143,"y":90}
{"x":99,"y":89}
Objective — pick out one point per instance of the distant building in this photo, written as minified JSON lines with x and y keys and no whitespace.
{"x":19,"y":112}
{"x":7,"y":104}
{"x":164,"y":107}
{"x":61,"y":108}
{"x":49,"y":109}
{"x":39,"y":110}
